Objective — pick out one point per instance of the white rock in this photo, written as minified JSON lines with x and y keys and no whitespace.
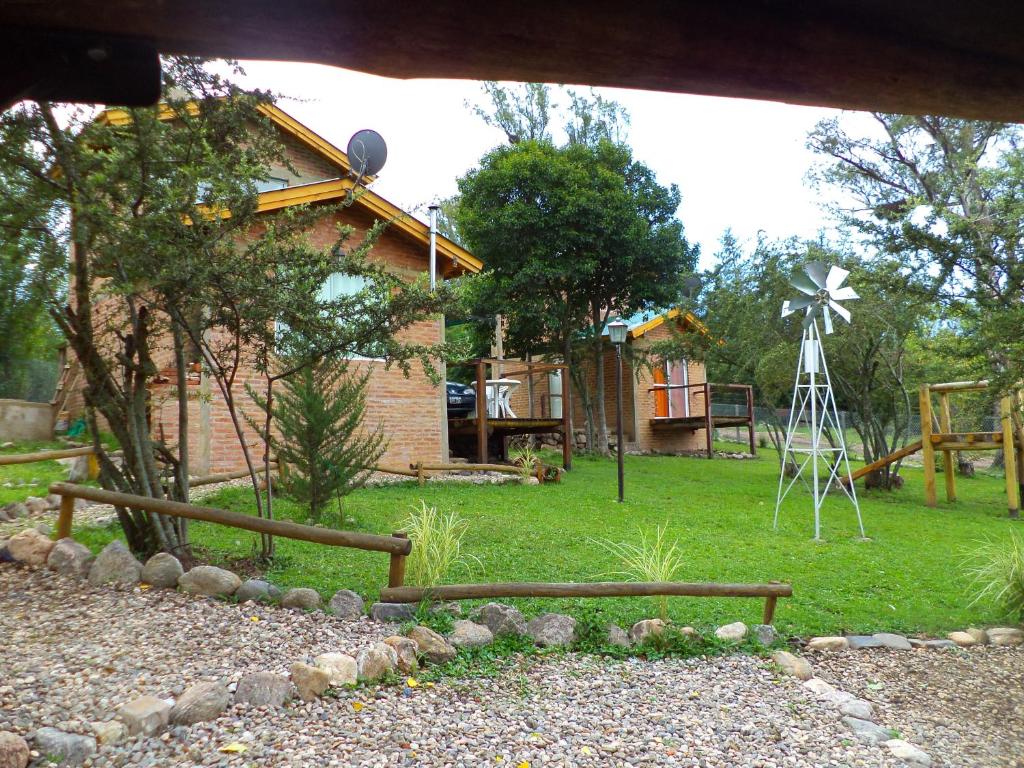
{"x":309,"y":681}
{"x":645,"y":629}
{"x":407,"y":651}
{"x":341,"y":668}
{"x":146,"y":715}
{"x":793,"y":665}
{"x":108,"y":731}
{"x":376,"y":661}
{"x":858,"y":708}
{"x":828,"y":644}
{"x":263,"y":689}
{"x":1006,"y":636}
{"x":890,"y":640}
{"x":732,"y":633}
{"x":980,"y":635}
{"x":431,"y":645}
{"x":908,"y":753}
{"x":963,"y":639}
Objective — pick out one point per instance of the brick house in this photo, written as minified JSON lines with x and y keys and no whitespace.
{"x":411,"y":409}
{"x":663,"y":409}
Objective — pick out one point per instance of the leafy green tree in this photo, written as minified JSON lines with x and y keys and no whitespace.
{"x":320,"y":436}
{"x":571,"y":236}
{"x":157,"y":266}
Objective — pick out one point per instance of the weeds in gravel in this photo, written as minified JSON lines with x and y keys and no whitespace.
{"x":996,"y":572}
{"x":653,"y":559}
{"x":436,"y":545}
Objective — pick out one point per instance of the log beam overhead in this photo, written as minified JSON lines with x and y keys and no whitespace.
{"x":913,"y":56}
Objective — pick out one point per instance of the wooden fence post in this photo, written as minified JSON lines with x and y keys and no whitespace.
{"x":396,"y":572}
{"x":946,"y":425}
{"x":769,"y":609}
{"x":419,"y":473}
{"x":1009,"y":457}
{"x":67,"y":510}
{"x":927,"y":449}
{"x":709,"y":427}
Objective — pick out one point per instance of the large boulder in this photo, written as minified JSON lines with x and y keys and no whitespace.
{"x":257,"y":591}
{"x":67,"y":748}
{"x":13,"y":750}
{"x":374,"y":662}
{"x":263,"y":689}
{"x":162,"y":570}
{"x":346,"y":604}
{"x":30,"y":547}
{"x":146,"y":716}
{"x":550,"y":629}
{"x":469,"y":634}
{"x":70,"y":558}
{"x":431,"y":646}
{"x":341,"y":668}
{"x":406,"y":651}
{"x":200,"y":703}
{"x":115,"y":564}
{"x":501,"y":619}
{"x":310,"y":681}
{"x":301,"y":599}
{"x":209,"y":580}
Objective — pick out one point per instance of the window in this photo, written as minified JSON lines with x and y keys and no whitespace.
{"x":555,"y":394}
{"x":271,"y":183}
{"x":339,"y":285}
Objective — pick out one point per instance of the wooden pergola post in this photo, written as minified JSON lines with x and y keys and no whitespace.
{"x":1009,"y":456}
{"x":946,"y":426}
{"x":927,"y":449}
{"x":750,"y":420}
{"x":708,"y":424}
{"x":566,"y":419}
{"x":481,"y":412}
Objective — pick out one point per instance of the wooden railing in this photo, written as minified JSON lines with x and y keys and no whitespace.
{"x":704,"y":389}
{"x":771,"y":592}
{"x":397,"y":545}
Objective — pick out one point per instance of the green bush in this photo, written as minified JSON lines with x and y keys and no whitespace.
{"x":996,"y":571}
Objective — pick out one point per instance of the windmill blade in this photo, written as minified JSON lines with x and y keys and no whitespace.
{"x":835,"y":278}
{"x":844,"y":294}
{"x":803,"y":283}
{"x":792,"y":305}
{"x":828,"y":320}
{"x":841,"y":311}
{"x":816,"y":271}
{"x":812,"y":313}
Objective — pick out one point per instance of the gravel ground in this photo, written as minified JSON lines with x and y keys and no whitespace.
{"x":73,"y":654}
{"x":965,"y":708}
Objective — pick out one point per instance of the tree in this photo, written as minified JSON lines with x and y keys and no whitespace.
{"x":320,"y":436}
{"x":569,"y":237}
{"x":167,"y":252}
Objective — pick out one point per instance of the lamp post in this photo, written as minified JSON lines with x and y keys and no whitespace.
{"x":617,"y":335}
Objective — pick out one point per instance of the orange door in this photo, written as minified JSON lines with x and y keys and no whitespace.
{"x":660,"y":395}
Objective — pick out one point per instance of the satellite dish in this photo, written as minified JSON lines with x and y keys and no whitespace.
{"x":367,"y":152}
{"x":691,"y":286}
{"x":823,"y":290}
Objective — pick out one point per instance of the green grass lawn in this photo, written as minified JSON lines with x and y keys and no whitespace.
{"x":19,"y":481}
{"x":907,"y":577}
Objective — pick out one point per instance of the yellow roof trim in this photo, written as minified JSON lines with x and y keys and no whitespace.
{"x":334,"y":189}
{"x":673,"y":313}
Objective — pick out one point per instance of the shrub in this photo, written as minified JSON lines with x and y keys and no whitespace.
{"x":436,"y":545}
{"x":653,"y":559}
{"x":526,"y":458}
{"x":996,"y":571}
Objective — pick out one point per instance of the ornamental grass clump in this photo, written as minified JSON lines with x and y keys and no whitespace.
{"x":996,"y":572}
{"x":436,"y":545}
{"x":653,"y":559}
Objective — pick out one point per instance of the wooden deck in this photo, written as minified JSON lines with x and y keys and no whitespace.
{"x":699,"y":422}
{"x":468,"y":426}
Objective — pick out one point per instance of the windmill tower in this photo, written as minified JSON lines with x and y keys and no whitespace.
{"x":813,"y":401}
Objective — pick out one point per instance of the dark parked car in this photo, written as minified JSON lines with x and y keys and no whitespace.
{"x":461,"y":400}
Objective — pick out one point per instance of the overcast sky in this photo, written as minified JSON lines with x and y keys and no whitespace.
{"x":738,"y":163}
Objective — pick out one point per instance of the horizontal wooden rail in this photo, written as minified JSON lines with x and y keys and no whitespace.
{"x":770,"y":592}
{"x":467,"y":467}
{"x":958,"y":386}
{"x":288,"y":530}
{"x":967,"y":437}
{"x":397,"y":471}
{"x":226,"y":476}
{"x":28,"y":458}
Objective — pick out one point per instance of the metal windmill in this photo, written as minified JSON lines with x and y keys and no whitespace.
{"x":813,"y":401}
